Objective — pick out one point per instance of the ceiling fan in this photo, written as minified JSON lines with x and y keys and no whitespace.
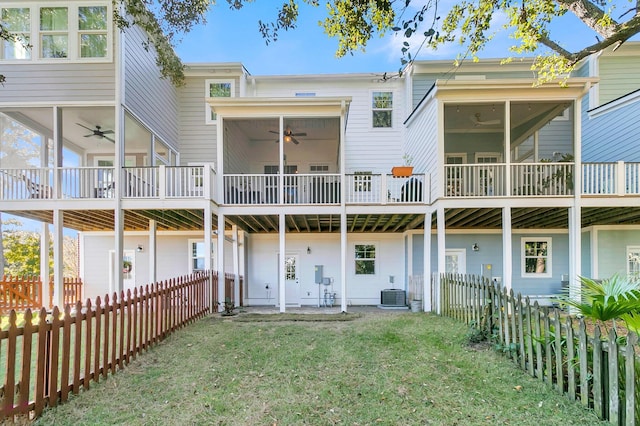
{"x":476,"y":120}
{"x":98,"y":132}
{"x":289,"y":136}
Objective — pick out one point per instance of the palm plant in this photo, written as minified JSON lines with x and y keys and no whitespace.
{"x":607,"y":300}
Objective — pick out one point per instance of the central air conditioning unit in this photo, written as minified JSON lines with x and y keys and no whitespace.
{"x":393,"y":297}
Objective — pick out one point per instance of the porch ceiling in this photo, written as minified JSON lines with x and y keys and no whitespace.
{"x":330,"y":223}
{"x":134,"y":220}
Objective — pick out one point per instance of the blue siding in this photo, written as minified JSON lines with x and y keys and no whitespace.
{"x":612,"y":251}
{"x":586,"y":254}
{"x":490,"y":251}
{"x":612,"y":136}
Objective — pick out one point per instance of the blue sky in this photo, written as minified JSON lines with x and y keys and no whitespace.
{"x":233,"y":36}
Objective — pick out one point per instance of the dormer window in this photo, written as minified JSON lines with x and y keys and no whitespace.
{"x":53,"y":33}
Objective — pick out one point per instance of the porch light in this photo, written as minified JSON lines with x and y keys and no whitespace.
{"x":475,"y":247}
{"x":308,"y":250}
{"x":140,"y":249}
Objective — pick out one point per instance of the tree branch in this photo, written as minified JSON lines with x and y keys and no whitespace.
{"x":591,"y":15}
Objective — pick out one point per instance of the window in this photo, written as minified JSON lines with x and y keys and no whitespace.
{"x":382,"y":107}
{"x":54,"y":32}
{"x":365,"y":259}
{"x":536,"y":257}
{"x":17,"y":22}
{"x":217,"y":89}
{"x":319,"y":168}
{"x":197,"y":256}
{"x":92,"y":31}
{"x":633,"y":263}
{"x":74,"y":32}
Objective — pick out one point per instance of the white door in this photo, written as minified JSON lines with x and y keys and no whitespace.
{"x":456,"y":261}
{"x":291,"y":280}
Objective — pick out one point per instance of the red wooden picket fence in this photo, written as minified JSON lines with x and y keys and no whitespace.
{"x":57,"y":353}
{"x":21,"y":293}
{"x":229,"y":287}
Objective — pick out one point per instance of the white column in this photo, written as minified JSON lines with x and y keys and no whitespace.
{"x":426,"y":259}
{"x":575,"y":251}
{"x":208,"y":247}
{"x":220,"y":268}
{"x":442,"y":260}
{"x":44,"y":264}
{"x":236,"y":265}
{"x":282,"y":250}
{"x":507,"y":249}
{"x":58,"y":262}
{"x":343,"y":261}
{"x":118,"y":222}
{"x":152,"y":251}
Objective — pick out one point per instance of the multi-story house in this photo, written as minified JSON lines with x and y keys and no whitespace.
{"x":287,"y":180}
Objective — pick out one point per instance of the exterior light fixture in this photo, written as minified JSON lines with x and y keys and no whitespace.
{"x":140,"y":249}
{"x":475,"y":247}
{"x":308,"y":250}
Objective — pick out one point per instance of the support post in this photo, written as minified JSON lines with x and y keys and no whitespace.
{"x":507,"y":249}
{"x":44,"y":266}
{"x":58,"y":263}
{"x":281,"y":259}
{"x":221,"y":286}
{"x":236,"y":265}
{"x":442,"y":258}
{"x":152,"y":251}
{"x":343,"y":261}
{"x":426,"y":259}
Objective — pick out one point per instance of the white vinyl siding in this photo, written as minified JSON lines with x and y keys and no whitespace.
{"x":422,"y":143}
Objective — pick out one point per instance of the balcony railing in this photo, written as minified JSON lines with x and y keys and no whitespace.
{"x":386,"y":189}
{"x":297,"y":189}
{"x":527,"y":180}
{"x":618,"y":178}
{"x":100,"y":182}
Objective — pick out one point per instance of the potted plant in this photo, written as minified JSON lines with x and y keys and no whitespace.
{"x":405,"y":170}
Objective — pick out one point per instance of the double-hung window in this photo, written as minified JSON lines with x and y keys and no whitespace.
{"x":217,"y":89}
{"x":365,"y":259}
{"x":382,"y":109}
{"x":92,"y":31}
{"x":17,"y":22}
{"x":54,"y":32}
{"x":536,"y":257}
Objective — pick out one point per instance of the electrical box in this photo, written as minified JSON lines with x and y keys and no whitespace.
{"x":319,"y":272}
{"x":487,"y":271}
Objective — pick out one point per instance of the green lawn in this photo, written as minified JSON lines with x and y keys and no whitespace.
{"x":379,"y":368}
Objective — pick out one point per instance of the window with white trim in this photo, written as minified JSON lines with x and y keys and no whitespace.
{"x":362,"y":181}
{"x":633,"y":262}
{"x":17,"y":22}
{"x":217,"y":89}
{"x":75,"y":32}
{"x":365,"y":259}
{"x":197,"y":256}
{"x":536,"y":257}
{"x":382,"y":109}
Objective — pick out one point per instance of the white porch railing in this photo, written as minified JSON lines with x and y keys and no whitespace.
{"x":186,"y":181}
{"x":542,"y":179}
{"x":474,"y":180}
{"x":87,"y":182}
{"x":385,"y":189}
{"x":140,"y":182}
{"x":298,"y":189}
{"x":600,"y":178}
{"x":632,"y":178}
{"x":23,"y":184}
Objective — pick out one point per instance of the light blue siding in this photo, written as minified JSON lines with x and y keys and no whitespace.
{"x":490,"y":251}
{"x":612,"y":136}
{"x":586,"y":254}
{"x":418,"y":254}
{"x":612,"y":251}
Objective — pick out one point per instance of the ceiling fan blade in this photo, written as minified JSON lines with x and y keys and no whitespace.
{"x":476,"y":120}
{"x":82,"y":125}
{"x":88,"y":136}
{"x":106,"y":132}
{"x":109,"y":139}
{"x":299,"y":134}
{"x":273,"y":131}
{"x":294,"y":140}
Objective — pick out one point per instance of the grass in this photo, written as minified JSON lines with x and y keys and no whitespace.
{"x":380,"y":368}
